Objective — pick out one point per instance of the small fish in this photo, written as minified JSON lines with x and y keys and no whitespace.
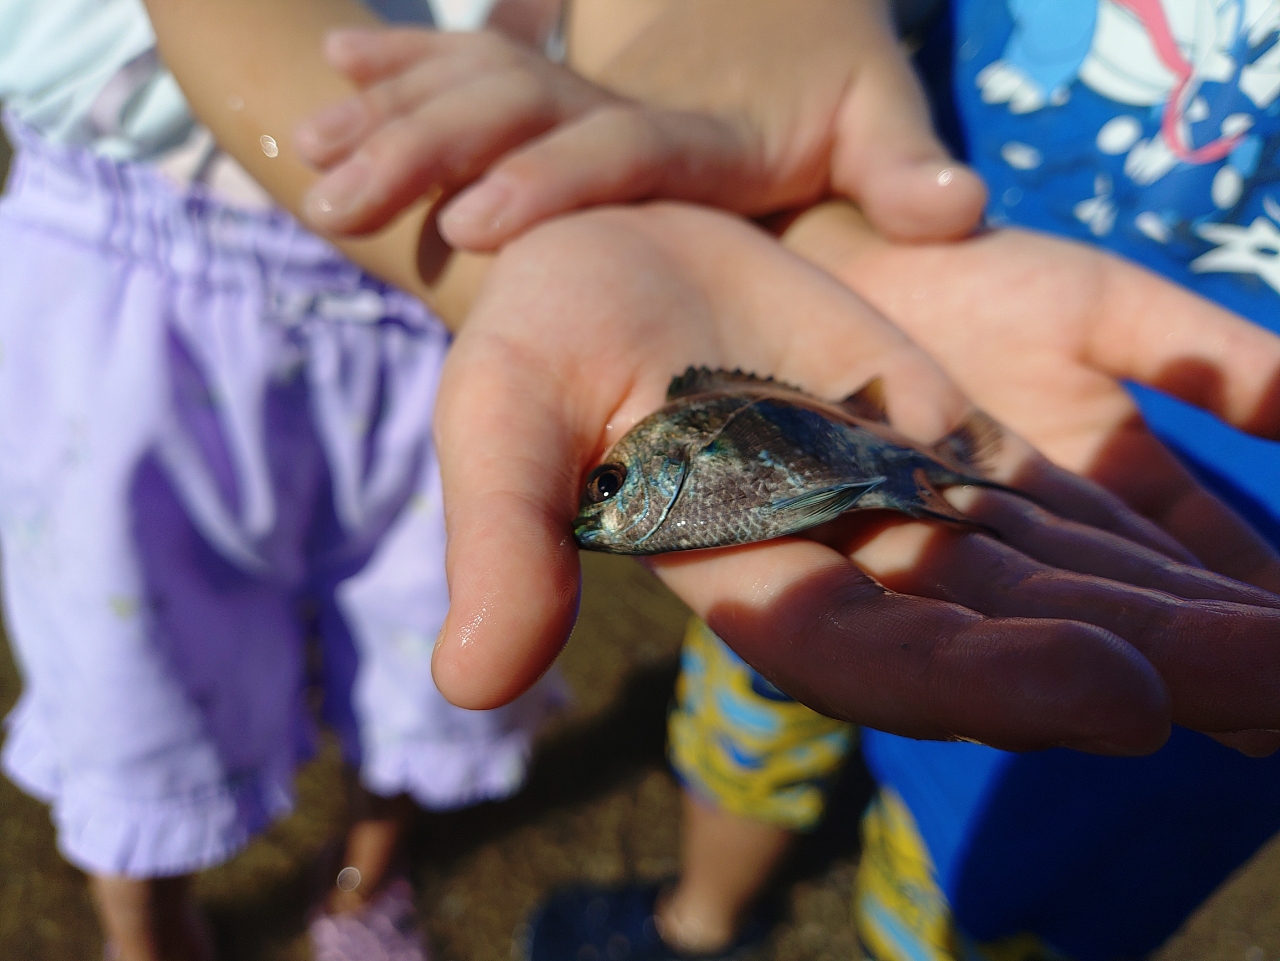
{"x":734,"y":458}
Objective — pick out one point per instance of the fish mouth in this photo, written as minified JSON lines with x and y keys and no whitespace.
{"x":587,"y":531}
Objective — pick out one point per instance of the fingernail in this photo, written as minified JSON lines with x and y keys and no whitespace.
{"x":340,"y":193}
{"x":331,"y":127}
{"x":478,"y":209}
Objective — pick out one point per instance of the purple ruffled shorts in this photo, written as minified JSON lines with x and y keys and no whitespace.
{"x":215,"y":453}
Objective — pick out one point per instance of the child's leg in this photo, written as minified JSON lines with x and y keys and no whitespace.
{"x":151,"y":920}
{"x":754,"y":764}
{"x":378,"y":624}
{"x":726,"y":860}
{"x":149,"y":568}
{"x":371,"y":849}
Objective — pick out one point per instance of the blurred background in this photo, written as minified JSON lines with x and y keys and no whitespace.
{"x":600,"y":805}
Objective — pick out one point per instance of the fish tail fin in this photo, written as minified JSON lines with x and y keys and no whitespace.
{"x":968,"y":454}
{"x":973,"y":445}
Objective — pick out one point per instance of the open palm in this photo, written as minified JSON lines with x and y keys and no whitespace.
{"x":1067,"y":630}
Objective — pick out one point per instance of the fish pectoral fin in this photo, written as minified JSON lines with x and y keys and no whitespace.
{"x":867,"y":402}
{"x":817,"y":507}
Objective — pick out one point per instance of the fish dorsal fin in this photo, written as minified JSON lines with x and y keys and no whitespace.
{"x":974,"y":444}
{"x":698,"y":380}
{"x":867,"y":402}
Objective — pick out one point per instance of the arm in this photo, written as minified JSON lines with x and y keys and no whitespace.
{"x":254,"y":69}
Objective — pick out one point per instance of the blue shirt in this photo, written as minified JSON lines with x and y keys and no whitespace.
{"x":1148,"y":128}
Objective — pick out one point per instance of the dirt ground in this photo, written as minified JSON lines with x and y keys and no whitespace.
{"x":600,"y":804}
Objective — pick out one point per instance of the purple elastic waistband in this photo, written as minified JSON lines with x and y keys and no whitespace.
{"x":133,"y":209}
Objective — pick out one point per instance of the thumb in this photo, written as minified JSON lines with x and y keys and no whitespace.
{"x":888,"y":159}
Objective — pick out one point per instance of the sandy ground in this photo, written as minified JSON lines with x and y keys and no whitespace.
{"x":600,"y":804}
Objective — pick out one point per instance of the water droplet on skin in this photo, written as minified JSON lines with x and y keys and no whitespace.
{"x":945,"y":176}
{"x":324,"y":205}
{"x":348,"y":879}
{"x":269,"y":145}
{"x":235,"y":103}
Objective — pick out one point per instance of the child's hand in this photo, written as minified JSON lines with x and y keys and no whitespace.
{"x":753,"y":108}
{"x":1063,"y":632}
{"x":435,"y":111}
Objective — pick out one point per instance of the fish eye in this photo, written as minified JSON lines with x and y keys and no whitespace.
{"x":605,"y":481}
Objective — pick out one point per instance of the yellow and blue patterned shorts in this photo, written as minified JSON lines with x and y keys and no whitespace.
{"x":899,"y":909}
{"x":743,"y":745}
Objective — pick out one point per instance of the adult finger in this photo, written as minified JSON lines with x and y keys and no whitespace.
{"x":510,"y":500}
{"x":1081,"y":499}
{"x":1251,"y":743}
{"x":1144,"y":473}
{"x":829,"y":636}
{"x":532,"y":384}
{"x":1219,"y":660}
{"x":1092,"y":501}
{"x":1086,"y":549}
{"x":612,"y":155}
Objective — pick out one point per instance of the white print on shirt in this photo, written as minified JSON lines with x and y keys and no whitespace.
{"x":1254,"y":249}
{"x":1156,"y":53}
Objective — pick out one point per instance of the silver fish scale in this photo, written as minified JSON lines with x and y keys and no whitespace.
{"x":733,"y":481}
